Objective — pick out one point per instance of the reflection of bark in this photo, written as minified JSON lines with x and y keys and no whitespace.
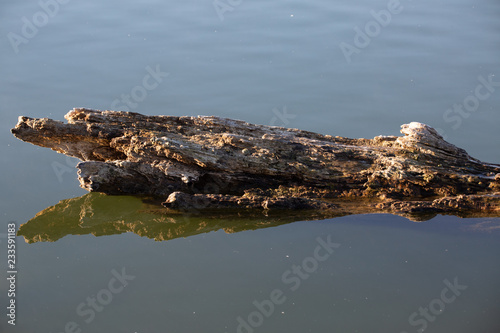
{"x":233,"y":164}
{"x":99,"y":214}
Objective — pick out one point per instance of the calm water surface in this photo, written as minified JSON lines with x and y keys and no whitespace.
{"x":275,"y":63}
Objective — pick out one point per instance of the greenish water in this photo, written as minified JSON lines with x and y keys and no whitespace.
{"x":116,"y":264}
{"x":274,"y":63}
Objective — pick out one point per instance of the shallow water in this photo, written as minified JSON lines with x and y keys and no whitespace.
{"x":274,"y":63}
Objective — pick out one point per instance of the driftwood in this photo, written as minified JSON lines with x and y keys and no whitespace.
{"x":211,"y":162}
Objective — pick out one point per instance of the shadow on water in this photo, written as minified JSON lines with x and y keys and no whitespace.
{"x":99,"y":214}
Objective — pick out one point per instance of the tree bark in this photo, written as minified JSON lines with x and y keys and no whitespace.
{"x":227,"y":163}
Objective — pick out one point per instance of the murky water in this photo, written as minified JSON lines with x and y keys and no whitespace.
{"x":356,"y":69}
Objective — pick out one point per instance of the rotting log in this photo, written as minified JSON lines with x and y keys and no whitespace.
{"x":212,"y":162}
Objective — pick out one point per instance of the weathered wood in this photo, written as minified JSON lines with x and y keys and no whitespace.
{"x":230,"y":163}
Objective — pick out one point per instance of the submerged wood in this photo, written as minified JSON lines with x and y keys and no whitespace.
{"x":211,"y":162}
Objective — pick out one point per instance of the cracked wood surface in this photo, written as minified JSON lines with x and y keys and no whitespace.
{"x":213,"y":162}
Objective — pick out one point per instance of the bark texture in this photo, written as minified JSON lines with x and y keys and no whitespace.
{"x":224,"y":163}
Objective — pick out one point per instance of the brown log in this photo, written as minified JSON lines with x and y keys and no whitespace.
{"x":229,"y":163}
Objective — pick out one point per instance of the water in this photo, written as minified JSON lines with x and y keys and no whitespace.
{"x":274,"y":63}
